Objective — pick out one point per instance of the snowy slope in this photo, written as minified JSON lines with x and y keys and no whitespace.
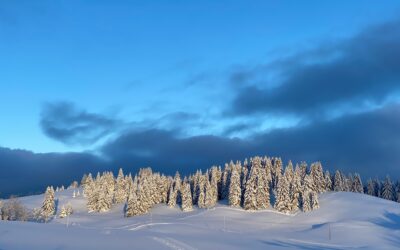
{"x":344,"y":221}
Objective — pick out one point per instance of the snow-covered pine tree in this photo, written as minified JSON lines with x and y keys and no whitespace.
{"x":371,"y":190}
{"x":328,"y":181}
{"x":303,"y":171}
{"x":48,"y":207}
{"x":250,"y":200}
{"x":172,"y":197}
{"x":314,"y":201}
{"x":225,"y":180}
{"x":235,"y":191}
{"x":88,"y":185}
{"x":187,"y":203}
{"x":262,"y":195}
{"x":387,"y":189}
{"x":83,"y":180}
{"x":276,"y":172}
{"x":295,"y":190}
{"x":306,"y":193}
{"x":289,"y":172}
{"x":132,"y":206}
{"x":201,"y":201}
{"x":283,"y":200}
{"x":120,"y":194}
{"x":317,"y":175}
{"x":63,"y":212}
{"x":209,"y":194}
{"x":357,"y":186}
{"x":338,"y":182}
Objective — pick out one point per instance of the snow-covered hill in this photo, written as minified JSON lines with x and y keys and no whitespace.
{"x":344,"y":221}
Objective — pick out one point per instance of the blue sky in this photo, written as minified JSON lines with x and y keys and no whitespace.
{"x":82,"y":76}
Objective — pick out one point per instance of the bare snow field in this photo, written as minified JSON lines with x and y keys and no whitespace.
{"x":344,"y":221}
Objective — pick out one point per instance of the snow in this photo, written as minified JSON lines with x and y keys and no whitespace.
{"x":344,"y":221}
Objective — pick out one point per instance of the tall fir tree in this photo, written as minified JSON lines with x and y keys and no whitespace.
{"x":283,"y":200}
{"x":357,"y":186}
{"x":250,"y":201}
{"x":387,"y":189}
{"x":187,"y":203}
{"x":120,"y":194}
{"x":235,"y":191}
{"x":48,"y":207}
{"x":338,"y":182}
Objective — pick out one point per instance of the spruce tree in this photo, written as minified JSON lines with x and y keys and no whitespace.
{"x":338,"y":182}
{"x":283,"y":200}
{"x":307,"y":193}
{"x":201,"y":202}
{"x":132,"y":207}
{"x":295,"y":190}
{"x":317,"y":175}
{"x":250,"y":201}
{"x":48,"y":207}
{"x":120,"y":194}
{"x":235,"y":191}
{"x":328,"y":181}
{"x":357,"y":186}
{"x":187,"y":203}
{"x":314,"y":201}
{"x":387,"y":189}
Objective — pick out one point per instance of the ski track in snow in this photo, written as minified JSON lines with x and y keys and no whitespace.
{"x":173,"y":243}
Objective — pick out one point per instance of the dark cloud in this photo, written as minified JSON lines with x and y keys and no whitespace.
{"x":63,"y":122}
{"x":29,"y":173}
{"x":355,"y":72}
{"x":167,"y":152}
{"x":367,"y":143}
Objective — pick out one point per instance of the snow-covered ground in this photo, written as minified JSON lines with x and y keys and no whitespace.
{"x":344,"y":221}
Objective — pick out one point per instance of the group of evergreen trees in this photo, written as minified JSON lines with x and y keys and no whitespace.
{"x":251,"y":185}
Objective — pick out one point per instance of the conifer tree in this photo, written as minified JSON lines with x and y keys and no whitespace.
{"x":276,"y":171}
{"x":132,"y":207}
{"x":338,"y":182}
{"x":387,"y":189}
{"x":307,"y":206}
{"x":303,"y":171}
{"x":210,"y":200}
{"x":120,"y":194}
{"x":262,"y":195}
{"x":357,"y":186}
{"x":308,"y":192}
{"x":317,"y":175}
{"x":48,"y":207}
{"x":328,"y":181}
{"x":314,"y":201}
{"x":235,"y":191}
{"x":283,"y":200}
{"x":187,"y":204}
{"x":172,"y":197}
{"x":250,"y":201}
{"x":371,"y":190}
{"x":201,"y":202}
{"x":295,"y":190}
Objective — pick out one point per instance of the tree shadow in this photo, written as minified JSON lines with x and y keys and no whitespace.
{"x":390,"y":221}
{"x":304,"y":246}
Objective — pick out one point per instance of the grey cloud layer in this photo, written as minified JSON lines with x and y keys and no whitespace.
{"x":359,"y":71}
{"x":64,"y":122}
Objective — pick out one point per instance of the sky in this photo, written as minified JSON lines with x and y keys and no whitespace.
{"x":180,"y":85}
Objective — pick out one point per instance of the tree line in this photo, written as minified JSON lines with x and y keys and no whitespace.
{"x":257,"y":183}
